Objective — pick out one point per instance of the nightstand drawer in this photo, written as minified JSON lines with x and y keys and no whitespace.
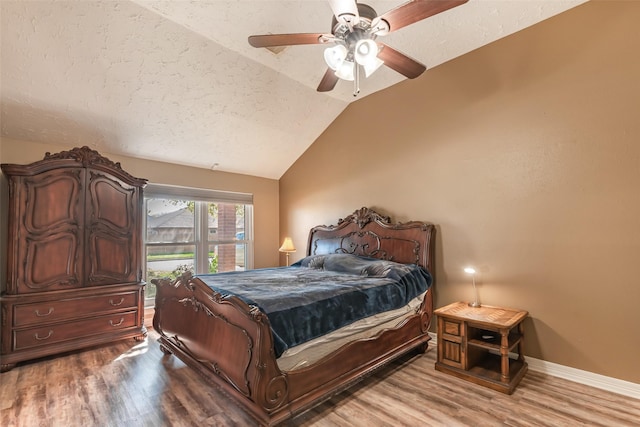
{"x":45,"y":335}
{"x":451,"y":327}
{"x":54,"y":311}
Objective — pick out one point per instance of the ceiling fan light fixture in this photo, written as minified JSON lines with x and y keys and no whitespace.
{"x":346,"y":71}
{"x":371,"y":67}
{"x":354,"y":29}
{"x":335,"y":56}
{"x":366,"y":52}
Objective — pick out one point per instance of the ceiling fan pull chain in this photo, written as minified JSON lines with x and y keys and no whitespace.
{"x":356,"y":79}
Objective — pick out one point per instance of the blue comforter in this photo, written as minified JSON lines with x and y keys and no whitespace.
{"x":322,"y":293}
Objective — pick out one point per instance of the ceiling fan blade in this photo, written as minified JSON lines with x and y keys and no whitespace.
{"x":328,"y":81}
{"x":417,"y":10}
{"x":270,"y":40}
{"x":345,"y":11}
{"x":400,"y":62}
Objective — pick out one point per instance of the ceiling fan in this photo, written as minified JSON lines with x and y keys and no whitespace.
{"x":354,"y":29}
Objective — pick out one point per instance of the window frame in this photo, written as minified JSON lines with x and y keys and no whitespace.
{"x":201,"y":197}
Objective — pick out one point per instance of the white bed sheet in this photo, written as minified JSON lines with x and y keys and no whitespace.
{"x":306,"y":354}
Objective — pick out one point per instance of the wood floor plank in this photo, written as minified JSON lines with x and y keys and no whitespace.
{"x":131,"y":383}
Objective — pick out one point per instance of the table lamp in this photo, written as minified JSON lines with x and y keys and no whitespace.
{"x":287,"y":247}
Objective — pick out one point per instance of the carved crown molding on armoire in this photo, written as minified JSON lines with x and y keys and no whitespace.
{"x":74,"y":256}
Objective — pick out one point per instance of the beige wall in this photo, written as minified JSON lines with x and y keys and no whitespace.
{"x":526,"y":155}
{"x":265,"y":191}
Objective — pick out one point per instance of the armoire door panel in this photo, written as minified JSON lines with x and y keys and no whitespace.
{"x":111,"y":203}
{"x":52,"y":201}
{"x":111,"y":259}
{"x":50,"y":263}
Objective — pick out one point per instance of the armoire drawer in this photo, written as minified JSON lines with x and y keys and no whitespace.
{"x":59,"y":310}
{"x":45,"y":335}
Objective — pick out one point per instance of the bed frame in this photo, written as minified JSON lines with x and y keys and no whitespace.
{"x":230,"y":342}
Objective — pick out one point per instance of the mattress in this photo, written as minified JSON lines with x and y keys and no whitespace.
{"x":306,"y":354}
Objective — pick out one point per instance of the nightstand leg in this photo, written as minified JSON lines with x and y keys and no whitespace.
{"x":440,"y":347}
{"x":521,"y":343}
{"x":504,"y":353}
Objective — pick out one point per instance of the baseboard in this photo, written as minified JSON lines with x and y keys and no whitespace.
{"x":614,"y":385}
{"x":626,"y":388}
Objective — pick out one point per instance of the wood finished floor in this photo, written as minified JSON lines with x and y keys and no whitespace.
{"x":132,"y":384}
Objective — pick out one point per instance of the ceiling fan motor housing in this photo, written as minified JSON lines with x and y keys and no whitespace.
{"x":366,"y":15}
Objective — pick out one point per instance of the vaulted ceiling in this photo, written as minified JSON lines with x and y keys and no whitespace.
{"x":176,"y":81}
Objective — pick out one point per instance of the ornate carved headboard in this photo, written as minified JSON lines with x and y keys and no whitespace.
{"x":367,"y":233}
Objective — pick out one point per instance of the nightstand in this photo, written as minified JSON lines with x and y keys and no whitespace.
{"x":474,"y":344}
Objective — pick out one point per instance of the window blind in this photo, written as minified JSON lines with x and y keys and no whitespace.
{"x":199,"y":194}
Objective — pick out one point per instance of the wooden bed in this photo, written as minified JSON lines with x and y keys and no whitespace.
{"x":231,"y":344}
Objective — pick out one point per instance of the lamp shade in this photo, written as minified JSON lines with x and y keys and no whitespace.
{"x":346,"y":72}
{"x":366,"y":52}
{"x":335,"y":56}
{"x":287,"y":245}
{"x":371,"y":67}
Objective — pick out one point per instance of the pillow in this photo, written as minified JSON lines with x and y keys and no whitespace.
{"x":313,"y":261}
{"x":352,"y":264}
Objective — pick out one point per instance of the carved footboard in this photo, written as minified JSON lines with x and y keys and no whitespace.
{"x":224,"y":339}
{"x":230,"y":343}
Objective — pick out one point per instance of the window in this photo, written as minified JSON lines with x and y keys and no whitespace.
{"x":202,"y":231}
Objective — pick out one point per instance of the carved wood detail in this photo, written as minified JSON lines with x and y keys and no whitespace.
{"x":87,"y":157}
{"x":235,"y":334}
{"x":363,"y":216}
{"x":368,"y":244}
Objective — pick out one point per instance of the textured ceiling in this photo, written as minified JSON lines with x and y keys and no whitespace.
{"x":176,"y":81}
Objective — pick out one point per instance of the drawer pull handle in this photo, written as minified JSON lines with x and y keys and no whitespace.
{"x":115,"y":304}
{"x":116,"y":324}
{"x":43,"y":338}
{"x":45,"y":314}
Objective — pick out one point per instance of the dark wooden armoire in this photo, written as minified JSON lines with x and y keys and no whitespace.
{"x":74,"y":276}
